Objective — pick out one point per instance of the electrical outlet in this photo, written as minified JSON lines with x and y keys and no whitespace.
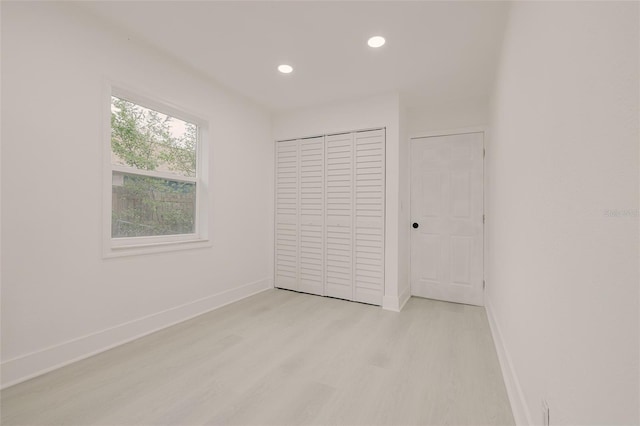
{"x":545,"y":413}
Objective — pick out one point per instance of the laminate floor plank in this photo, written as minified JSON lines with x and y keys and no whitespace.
{"x":284,"y":358}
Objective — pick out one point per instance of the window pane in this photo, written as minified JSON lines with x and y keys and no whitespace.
{"x":145,"y":206}
{"x":150,"y":140}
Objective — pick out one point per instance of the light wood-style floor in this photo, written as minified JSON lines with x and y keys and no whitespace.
{"x":284,"y":358}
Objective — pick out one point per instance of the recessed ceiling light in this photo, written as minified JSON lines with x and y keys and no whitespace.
{"x":285,"y":69}
{"x":376,"y":41}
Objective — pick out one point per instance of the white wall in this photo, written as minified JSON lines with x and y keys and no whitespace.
{"x":60,"y":299}
{"x":466,"y":113}
{"x":378,"y":111}
{"x":404,"y":219}
{"x":563,"y":153}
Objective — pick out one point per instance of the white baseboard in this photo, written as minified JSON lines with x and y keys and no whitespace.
{"x":405,"y":296}
{"x":36,"y":363}
{"x":521,"y":413}
{"x":391,"y":303}
{"x":395,"y":304}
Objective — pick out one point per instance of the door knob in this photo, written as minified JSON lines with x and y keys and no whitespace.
{"x":415,"y":225}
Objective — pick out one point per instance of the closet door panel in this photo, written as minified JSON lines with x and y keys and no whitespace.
{"x":311,"y":246}
{"x":287,"y":211}
{"x":339,"y":215}
{"x":369,"y":216}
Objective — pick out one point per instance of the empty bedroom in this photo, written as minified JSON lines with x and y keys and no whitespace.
{"x":319,"y":213}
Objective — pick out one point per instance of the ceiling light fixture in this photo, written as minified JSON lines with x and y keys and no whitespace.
{"x":285,"y":69}
{"x":376,"y":41}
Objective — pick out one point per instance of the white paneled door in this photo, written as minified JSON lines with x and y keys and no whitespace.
{"x":447,"y":218}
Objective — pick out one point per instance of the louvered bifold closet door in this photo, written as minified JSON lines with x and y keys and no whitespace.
{"x":339,"y":215}
{"x":311,"y":243}
{"x":369,"y":216}
{"x":287,"y":211}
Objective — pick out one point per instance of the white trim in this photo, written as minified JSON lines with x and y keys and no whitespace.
{"x":521,"y":413}
{"x":272,"y":211}
{"x":107,"y":174}
{"x":145,"y":245}
{"x":391,"y":303}
{"x":28,"y":366}
{"x":405,"y":296}
{"x":354,"y":214}
{"x":152,"y":173}
{"x":133,"y":246}
{"x":485,"y":216}
{"x":153,"y":241}
{"x":450,"y":132}
{"x":341,"y":132}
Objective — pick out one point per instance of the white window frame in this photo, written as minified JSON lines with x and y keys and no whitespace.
{"x":126,"y":246}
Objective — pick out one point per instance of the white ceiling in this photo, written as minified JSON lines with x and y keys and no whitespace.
{"x":436,"y":51}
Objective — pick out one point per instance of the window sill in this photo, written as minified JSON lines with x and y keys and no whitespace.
{"x":155,"y":247}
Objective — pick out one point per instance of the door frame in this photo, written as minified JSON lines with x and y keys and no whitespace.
{"x":452,"y":132}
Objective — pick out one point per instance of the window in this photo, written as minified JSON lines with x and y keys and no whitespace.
{"x":156,"y":191}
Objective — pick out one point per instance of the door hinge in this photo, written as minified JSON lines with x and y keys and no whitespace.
{"x":483,"y":219}
{"x":484,"y":152}
{"x":484,"y":284}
